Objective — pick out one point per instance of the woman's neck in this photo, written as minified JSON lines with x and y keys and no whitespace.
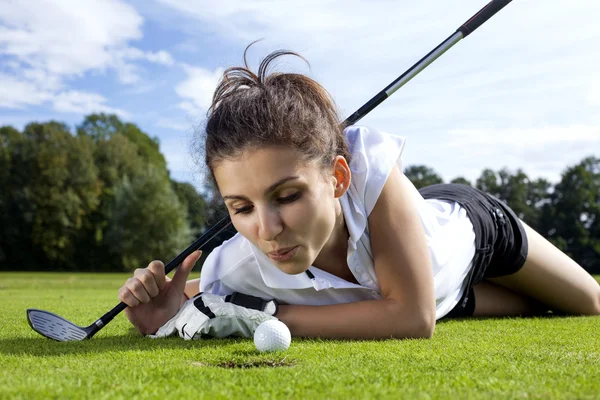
{"x":333,"y":256}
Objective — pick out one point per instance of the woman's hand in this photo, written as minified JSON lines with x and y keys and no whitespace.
{"x":152,"y":297}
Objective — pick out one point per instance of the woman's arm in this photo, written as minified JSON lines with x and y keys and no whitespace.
{"x":403,"y":268}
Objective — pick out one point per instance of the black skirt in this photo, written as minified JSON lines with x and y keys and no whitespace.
{"x":500,"y":239}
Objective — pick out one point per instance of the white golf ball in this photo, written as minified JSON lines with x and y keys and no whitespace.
{"x":272,"y":335}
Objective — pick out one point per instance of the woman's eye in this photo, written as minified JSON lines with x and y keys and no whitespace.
{"x":282,"y":200}
{"x":242,"y":210}
{"x":290,"y":198}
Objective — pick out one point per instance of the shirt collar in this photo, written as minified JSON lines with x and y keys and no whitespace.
{"x":276,"y":278}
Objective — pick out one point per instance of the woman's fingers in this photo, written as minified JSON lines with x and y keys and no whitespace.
{"x":183,"y":272}
{"x":137,"y":289}
{"x":157,"y":268}
{"x":127,"y":297}
{"x":148,"y":279}
{"x":147,"y":283}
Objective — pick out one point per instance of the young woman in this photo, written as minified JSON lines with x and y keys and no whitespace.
{"x":330,"y":227}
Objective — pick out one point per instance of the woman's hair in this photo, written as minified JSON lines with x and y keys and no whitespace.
{"x":251,"y":111}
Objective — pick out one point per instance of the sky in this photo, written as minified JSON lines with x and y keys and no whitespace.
{"x":522,"y":91}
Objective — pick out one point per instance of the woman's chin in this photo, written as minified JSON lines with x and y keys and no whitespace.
{"x":297,"y":264}
{"x":292,"y":269}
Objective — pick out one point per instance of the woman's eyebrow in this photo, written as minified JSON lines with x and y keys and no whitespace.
{"x":267,"y":191}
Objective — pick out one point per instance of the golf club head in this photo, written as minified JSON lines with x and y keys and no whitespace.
{"x":54,"y":327}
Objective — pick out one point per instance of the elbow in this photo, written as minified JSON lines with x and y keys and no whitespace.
{"x":420,"y":324}
{"x":427,"y":323}
{"x":421,"y":328}
{"x":425,"y":329}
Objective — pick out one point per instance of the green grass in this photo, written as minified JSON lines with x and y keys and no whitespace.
{"x":494,"y":358}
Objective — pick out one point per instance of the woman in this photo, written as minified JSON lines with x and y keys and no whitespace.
{"x":331,"y":228}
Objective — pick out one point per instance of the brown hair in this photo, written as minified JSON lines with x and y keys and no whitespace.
{"x":251,"y":111}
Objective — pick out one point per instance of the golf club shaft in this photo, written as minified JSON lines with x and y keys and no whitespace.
{"x":464,"y":30}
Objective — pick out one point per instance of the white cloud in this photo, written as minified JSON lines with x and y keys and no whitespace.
{"x":159,"y":57}
{"x":175,"y":125}
{"x":197,"y":89}
{"x":47,"y":44}
{"x":593,"y":93}
{"x":67,"y":38}
{"x":17,"y":93}
{"x":520,"y":138}
{"x":542,"y":151}
{"x":84,"y":103}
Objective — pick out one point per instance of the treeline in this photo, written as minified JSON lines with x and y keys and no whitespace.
{"x":97,"y":199}
{"x":100,"y":198}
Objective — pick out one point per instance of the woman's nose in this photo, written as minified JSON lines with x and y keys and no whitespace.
{"x":269,"y":224}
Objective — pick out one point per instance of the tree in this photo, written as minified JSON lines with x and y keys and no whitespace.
{"x":51,"y":188}
{"x":101,"y":127}
{"x":122,"y":151}
{"x":513,"y":190}
{"x":422,"y":175}
{"x":115,"y":157}
{"x":215,"y":210}
{"x":62,"y":188}
{"x":194,"y":204}
{"x":12,"y":222}
{"x":488,"y":182}
{"x":573,"y":216}
{"x":461,"y":181}
{"x":524,"y":196}
{"x":148,"y":148}
{"x":148,"y":221}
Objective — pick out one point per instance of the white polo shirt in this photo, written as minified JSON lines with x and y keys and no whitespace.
{"x":239,"y":266}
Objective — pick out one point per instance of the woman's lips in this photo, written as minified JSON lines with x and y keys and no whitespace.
{"x":283,"y":255}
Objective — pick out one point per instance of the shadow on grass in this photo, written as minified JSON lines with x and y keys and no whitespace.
{"x":42,"y":347}
{"x":500,"y":318}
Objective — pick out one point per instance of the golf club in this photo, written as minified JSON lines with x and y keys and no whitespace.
{"x":55,"y":327}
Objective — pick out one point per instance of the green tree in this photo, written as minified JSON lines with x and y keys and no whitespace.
{"x":524,"y":196}
{"x":115,"y":157}
{"x":193,"y":202}
{"x":461,"y":181}
{"x":215,"y":210}
{"x":52,"y":187}
{"x":103,"y":126}
{"x":148,"y":147}
{"x":100,"y":126}
{"x":422,"y":175}
{"x":572,"y":219}
{"x":13,"y":243}
{"x":148,"y":221}
{"x":513,"y":190}
{"x":488,"y":182}
{"x":122,"y":150}
{"x":62,"y":187}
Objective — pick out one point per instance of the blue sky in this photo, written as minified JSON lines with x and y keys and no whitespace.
{"x":523,"y":91}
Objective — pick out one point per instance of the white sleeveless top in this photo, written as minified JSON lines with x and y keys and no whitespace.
{"x":238,"y":266}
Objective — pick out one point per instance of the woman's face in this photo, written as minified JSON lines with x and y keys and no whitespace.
{"x":285,"y":207}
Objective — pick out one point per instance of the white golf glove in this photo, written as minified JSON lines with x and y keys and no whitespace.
{"x":219,"y":316}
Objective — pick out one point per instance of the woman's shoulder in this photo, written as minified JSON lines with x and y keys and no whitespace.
{"x":361,"y":139}
{"x":373,"y":155}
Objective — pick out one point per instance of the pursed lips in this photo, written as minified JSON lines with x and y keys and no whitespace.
{"x":281,"y":251}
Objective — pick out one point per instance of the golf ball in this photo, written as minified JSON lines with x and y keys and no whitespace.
{"x":272,"y":335}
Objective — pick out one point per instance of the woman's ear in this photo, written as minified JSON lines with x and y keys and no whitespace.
{"x":342,"y":175}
